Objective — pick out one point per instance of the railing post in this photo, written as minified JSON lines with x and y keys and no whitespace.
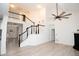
{"x":19,"y":40}
{"x":31,"y":29}
{"x":38,"y":28}
{"x":24,"y":17}
{"x":27,"y":32}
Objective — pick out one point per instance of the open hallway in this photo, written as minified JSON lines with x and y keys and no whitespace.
{"x":46,"y":49}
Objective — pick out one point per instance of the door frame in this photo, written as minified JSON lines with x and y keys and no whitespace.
{"x":20,"y":29}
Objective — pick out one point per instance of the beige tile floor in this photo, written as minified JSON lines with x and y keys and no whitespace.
{"x":46,"y":49}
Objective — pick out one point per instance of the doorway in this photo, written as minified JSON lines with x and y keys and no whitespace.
{"x":13,"y":30}
{"x":53,"y":35}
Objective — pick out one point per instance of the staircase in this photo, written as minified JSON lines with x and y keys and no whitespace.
{"x":31,"y":34}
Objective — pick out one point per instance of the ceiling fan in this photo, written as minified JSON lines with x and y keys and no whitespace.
{"x":62,"y":15}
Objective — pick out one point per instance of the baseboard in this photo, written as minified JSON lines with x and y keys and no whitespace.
{"x":65,"y":43}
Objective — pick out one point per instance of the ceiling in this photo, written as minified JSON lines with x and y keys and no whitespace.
{"x":33,"y":6}
{"x":29,"y":6}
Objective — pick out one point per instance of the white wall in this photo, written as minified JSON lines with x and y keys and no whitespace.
{"x":36,"y":39}
{"x":64,"y":29}
{"x":40,"y":15}
{"x":4,"y":10}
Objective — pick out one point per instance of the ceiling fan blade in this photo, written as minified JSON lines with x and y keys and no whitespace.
{"x":67,"y":14}
{"x":65,"y":17}
{"x":53,"y":14}
{"x":62,"y":13}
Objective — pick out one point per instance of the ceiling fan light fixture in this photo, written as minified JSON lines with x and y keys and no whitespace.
{"x":58,"y":17}
{"x":62,"y":15}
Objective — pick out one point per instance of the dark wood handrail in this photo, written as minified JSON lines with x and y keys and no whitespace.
{"x":27,"y":29}
{"x":30,"y":27}
{"x":22,"y":33}
{"x":15,"y":13}
{"x":30,"y":20}
{"x":24,"y":16}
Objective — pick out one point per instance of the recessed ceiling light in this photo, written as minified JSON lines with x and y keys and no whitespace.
{"x":12,"y":6}
{"x":39,"y":6}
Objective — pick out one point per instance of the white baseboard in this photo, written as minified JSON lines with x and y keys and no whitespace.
{"x":65,"y":43}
